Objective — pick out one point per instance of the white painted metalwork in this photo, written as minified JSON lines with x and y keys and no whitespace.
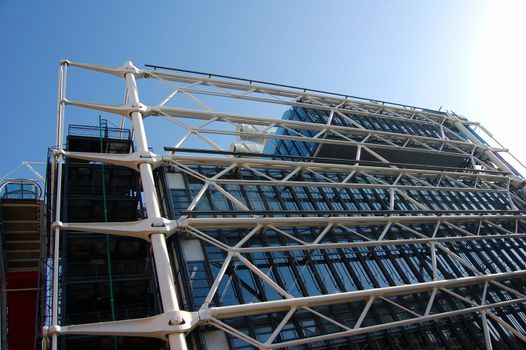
{"x":56,"y":179}
{"x":158,"y":240}
{"x":493,"y":175}
{"x":29,"y":166}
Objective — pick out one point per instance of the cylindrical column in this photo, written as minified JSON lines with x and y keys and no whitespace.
{"x":58,"y":195}
{"x":158,"y":241}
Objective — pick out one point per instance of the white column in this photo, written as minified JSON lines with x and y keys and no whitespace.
{"x":160,"y":251}
{"x":58,"y":194}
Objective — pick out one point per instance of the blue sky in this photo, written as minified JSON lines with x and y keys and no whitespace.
{"x":466,"y":56}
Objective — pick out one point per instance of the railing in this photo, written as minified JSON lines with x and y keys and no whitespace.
{"x":94,"y":131}
{"x":20,"y":189}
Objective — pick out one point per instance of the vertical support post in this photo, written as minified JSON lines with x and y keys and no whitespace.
{"x":160,"y":252}
{"x":487,"y":336}
{"x":442,"y":134}
{"x":391,"y":199}
{"x":432,"y":247}
{"x":58,"y":195}
{"x":485,"y":328}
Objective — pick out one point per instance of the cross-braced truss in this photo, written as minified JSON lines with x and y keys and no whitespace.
{"x":424,"y":212}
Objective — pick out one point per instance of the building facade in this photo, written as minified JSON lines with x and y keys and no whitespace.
{"x":310,"y":271}
{"x":347,"y":223}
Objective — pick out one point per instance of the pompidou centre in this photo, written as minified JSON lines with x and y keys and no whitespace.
{"x":210,"y":212}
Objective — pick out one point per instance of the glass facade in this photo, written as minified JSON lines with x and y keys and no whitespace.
{"x":364,"y":193}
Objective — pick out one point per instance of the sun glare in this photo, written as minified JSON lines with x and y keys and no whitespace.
{"x":501,"y":73}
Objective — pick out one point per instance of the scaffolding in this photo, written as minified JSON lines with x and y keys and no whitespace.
{"x":398,"y":226}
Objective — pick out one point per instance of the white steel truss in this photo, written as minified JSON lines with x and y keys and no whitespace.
{"x":489,"y":174}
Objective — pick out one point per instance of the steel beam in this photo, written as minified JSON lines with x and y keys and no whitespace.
{"x":250,"y":222}
{"x":132,"y":160}
{"x":293,"y":124}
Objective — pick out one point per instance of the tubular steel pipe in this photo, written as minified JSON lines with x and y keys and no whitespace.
{"x":347,"y":297}
{"x":58,"y":194}
{"x":213,"y":223}
{"x":160,"y":252}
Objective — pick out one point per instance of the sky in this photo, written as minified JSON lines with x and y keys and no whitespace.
{"x":466,"y":56}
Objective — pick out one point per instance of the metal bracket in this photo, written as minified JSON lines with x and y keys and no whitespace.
{"x":138,"y":229}
{"x":130,"y":160}
{"x":118,"y":71}
{"x":122,"y":109}
{"x":159,"y":326}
